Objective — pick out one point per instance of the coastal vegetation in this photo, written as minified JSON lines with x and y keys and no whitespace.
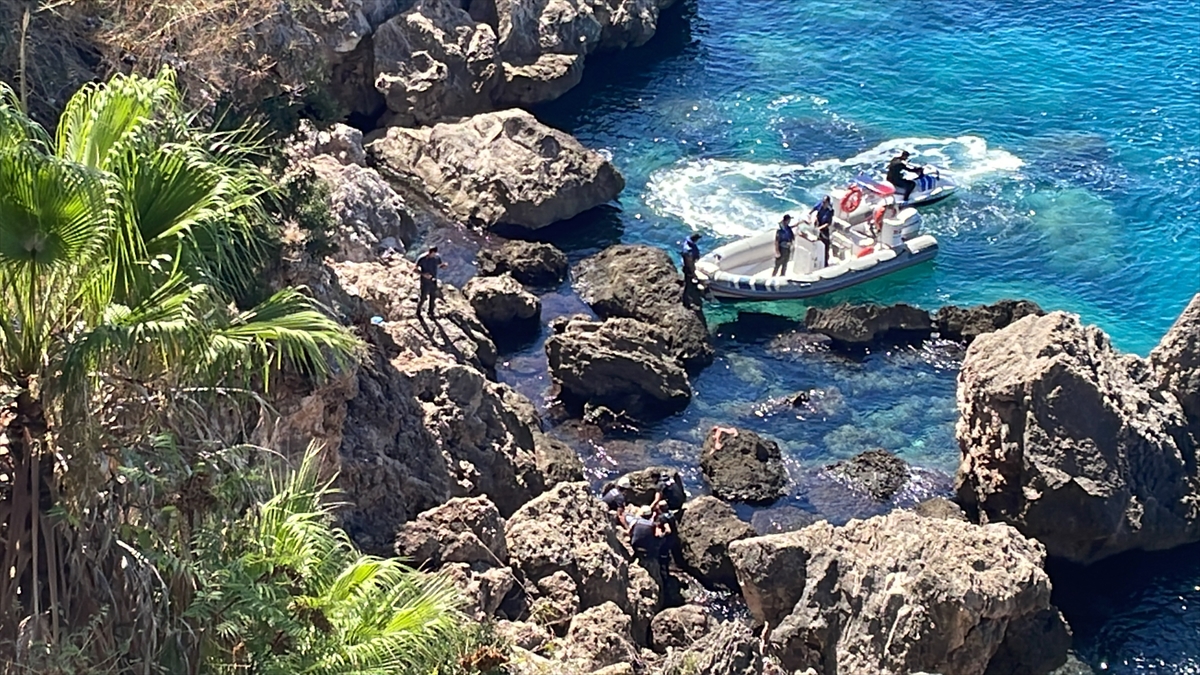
{"x":141,"y":535}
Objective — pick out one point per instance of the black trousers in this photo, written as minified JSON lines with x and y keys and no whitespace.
{"x":907,"y":185}
{"x":429,"y":290}
{"x":781,"y":260}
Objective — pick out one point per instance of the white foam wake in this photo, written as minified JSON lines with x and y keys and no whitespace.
{"x":735,"y":198}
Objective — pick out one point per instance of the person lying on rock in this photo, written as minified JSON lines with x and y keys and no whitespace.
{"x":644,"y":535}
{"x":719,"y":431}
{"x":616,"y":498}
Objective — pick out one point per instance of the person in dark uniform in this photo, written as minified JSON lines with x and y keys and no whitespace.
{"x":644,"y":534}
{"x":616,"y":498}
{"x":666,"y":507}
{"x":824,"y":221}
{"x":784,"y":238}
{"x":689,"y":253}
{"x":428,"y":266}
{"x":895,"y":173}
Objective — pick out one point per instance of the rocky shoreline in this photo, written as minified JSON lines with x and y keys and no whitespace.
{"x":455,"y":471}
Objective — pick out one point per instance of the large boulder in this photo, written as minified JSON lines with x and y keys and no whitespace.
{"x":895,"y":593}
{"x":1176,"y":362}
{"x":598,"y":637}
{"x":504,"y":306}
{"x":463,"y":530}
{"x":679,"y":627}
{"x":968,"y":323}
{"x":863,"y":324}
{"x":531,"y":82}
{"x":501,"y":167}
{"x":707,"y":527}
{"x":1073,"y":443}
{"x":730,"y":649}
{"x":531,"y":263}
{"x":367,"y":213}
{"x":640,"y":282}
{"x":877,"y":473}
{"x":566,"y":545}
{"x":741,"y":466}
{"x":556,"y":461}
{"x":433,"y":62}
{"x":621,"y":364}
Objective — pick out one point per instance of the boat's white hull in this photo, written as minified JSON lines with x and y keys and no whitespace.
{"x":730,"y":285}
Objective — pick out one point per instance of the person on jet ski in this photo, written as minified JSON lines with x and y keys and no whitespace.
{"x":895,"y":173}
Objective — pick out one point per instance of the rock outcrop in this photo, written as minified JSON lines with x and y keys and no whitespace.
{"x":968,"y":323}
{"x":895,"y":593}
{"x":531,"y":263}
{"x":599,"y":637}
{"x":566,"y":546}
{"x":463,"y":530}
{"x":504,"y":306}
{"x":862,"y":324}
{"x":741,"y":466}
{"x":369,"y":216}
{"x":500,"y":168}
{"x":730,"y":649}
{"x":640,"y":282}
{"x":707,"y":527}
{"x":556,"y":461}
{"x":877,"y":473}
{"x":1176,"y":363}
{"x":621,"y":364}
{"x":679,"y":627}
{"x":433,"y":62}
{"x":1073,"y":443}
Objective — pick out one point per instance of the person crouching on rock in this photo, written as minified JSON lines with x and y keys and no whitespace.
{"x":616,"y":497}
{"x":644,"y":534}
{"x":428,"y":266}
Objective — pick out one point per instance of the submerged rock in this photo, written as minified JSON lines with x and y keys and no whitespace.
{"x":706,"y":528}
{"x":433,"y":62}
{"x":641,"y":282}
{"x":1073,"y":443}
{"x":742,"y":466}
{"x":863,"y":324}
{"x":968,"y":323}
{"x":502,"y":167}
{"x":895,"y":593}
{"x":531,"y":263}
{"x":878,"y":473}
{"x":621,"y":364}
{"x":504,"y":306}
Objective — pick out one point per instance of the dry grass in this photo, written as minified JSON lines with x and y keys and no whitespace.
{"x":224,"y":51}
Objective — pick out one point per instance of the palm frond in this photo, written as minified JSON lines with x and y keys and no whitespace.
{"x":99,"y":116}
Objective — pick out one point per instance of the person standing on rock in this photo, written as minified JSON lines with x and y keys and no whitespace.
{"x":428,"y":266}
{"x":689,"y":253}
{"x":784,"y":238}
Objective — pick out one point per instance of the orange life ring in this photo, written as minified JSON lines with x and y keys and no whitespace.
{"x":852,"y":199}
{"x":877,"y":218}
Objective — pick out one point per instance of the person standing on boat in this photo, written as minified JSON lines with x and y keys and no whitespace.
{"x":895,"y":173}
{"x":784,"y":238}
{"x":824,"y":221}
{"x":689,"y":253}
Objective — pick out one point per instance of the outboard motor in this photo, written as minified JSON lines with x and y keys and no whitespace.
{"x":901,"y":227}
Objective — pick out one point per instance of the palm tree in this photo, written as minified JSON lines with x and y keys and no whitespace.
{"x":288,"y":594}
{"x":124,"y":240}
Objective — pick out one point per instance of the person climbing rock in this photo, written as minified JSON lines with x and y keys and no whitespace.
{"x":428,"y":266}
{"x":616,"y":498}
{"x":644,"y":534}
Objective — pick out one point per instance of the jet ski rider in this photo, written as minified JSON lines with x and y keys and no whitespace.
{"x":895,"y":173}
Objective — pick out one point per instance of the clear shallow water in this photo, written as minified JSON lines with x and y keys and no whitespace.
{"x":1075,"y":130}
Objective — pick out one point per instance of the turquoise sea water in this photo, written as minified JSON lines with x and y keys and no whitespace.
{"x":1075,"y":130}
